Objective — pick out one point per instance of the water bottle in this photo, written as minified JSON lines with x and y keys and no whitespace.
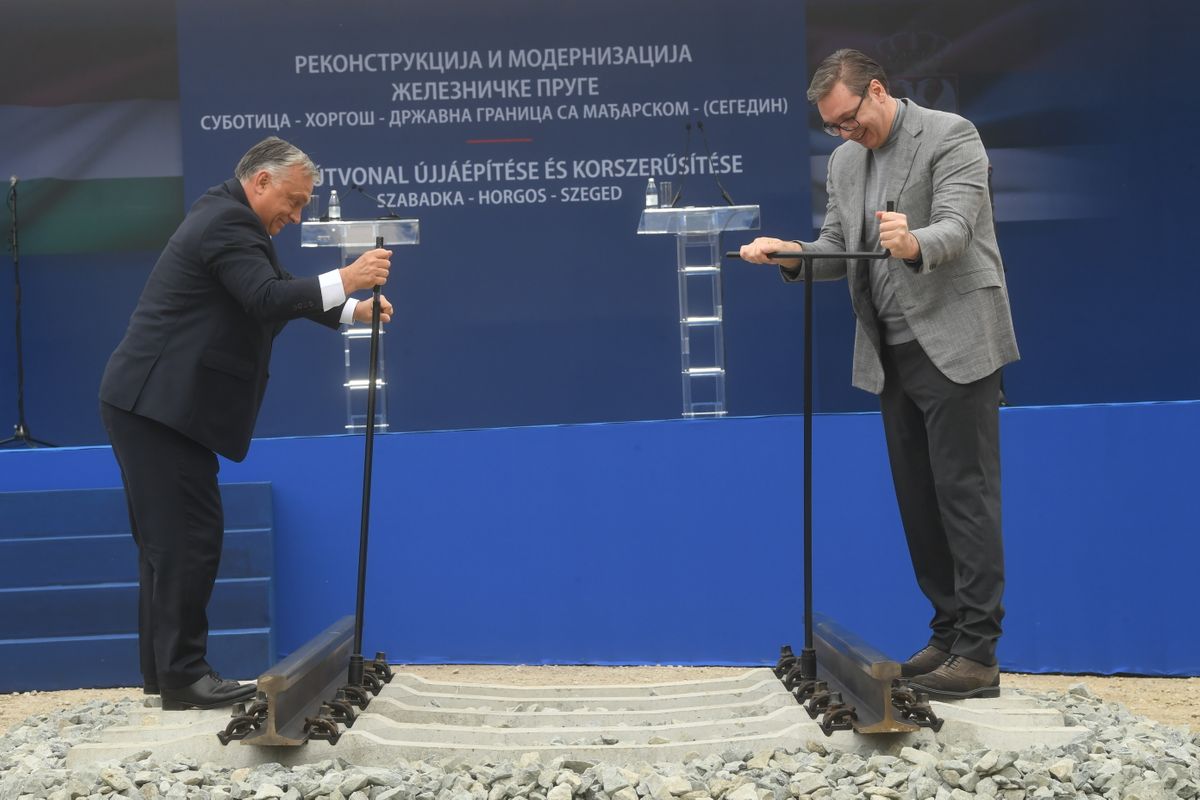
{"x":651,"y":194}
{"x":335,"y":205}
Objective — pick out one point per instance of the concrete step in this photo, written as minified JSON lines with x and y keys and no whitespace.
{"x":488,"y":736}
{"x":416,"y":719}
{"x":745,"y":680}
{"x":478,"y":697}
{"x":1009,"y":717}
{"x":370,"y":749}
{"x":392,"y":708}
{"x":402,"y":712}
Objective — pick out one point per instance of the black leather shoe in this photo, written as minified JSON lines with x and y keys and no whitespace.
{"x":927,"y":659}
{"x":208,"y":692}
{"x":149,"y":688}
{"x":959,"y":678}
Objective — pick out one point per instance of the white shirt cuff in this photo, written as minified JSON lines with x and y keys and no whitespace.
{"x":348,"y":311}
{"x":332,"y":293}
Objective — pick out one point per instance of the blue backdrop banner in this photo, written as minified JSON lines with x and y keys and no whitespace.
{"x":522,"y":135}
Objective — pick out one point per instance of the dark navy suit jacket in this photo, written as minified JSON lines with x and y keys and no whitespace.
{"x":196,"y":352}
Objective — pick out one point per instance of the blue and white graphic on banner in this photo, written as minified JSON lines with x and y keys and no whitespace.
{"x":522,"y":136}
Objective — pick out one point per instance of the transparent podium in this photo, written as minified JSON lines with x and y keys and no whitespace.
{"x":697,"y":232}
{"x":353,"y":238}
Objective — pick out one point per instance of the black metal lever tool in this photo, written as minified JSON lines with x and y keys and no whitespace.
{"x":355,"y":677}
{"x":808,"y":656}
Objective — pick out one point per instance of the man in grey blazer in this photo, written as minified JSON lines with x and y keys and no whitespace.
{"x":933,"y":330}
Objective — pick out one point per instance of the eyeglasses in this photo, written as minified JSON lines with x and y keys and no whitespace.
{"x":852,"y":124}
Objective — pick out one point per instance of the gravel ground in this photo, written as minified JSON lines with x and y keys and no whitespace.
{"x":1120,"y":756}
{"x":1171,"y":701}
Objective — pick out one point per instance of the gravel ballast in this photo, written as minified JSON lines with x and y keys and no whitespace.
{"x":1124,"y":757}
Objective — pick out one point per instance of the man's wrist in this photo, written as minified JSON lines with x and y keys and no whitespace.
{"x":916,"y":259}
{"x":793,"y":265}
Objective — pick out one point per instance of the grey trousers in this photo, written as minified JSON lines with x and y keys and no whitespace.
{"x":943,"y":442}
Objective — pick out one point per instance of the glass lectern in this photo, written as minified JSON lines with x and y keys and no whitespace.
{"x":697,"y":233}
{"x":353,"y":238}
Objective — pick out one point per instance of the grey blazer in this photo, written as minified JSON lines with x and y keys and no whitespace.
{"x":956,"y":303}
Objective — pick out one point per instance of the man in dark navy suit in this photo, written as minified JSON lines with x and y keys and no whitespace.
{"x":186,"y":383}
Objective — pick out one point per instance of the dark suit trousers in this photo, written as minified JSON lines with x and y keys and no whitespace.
{"x":175,"y":510}
{"x":943,"y":442}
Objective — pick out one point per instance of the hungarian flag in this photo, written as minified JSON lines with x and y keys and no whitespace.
{"x":89,"y":123}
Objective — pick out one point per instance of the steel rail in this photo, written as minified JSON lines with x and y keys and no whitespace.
{"x":294,"y":689}
{"x":862,"y":674}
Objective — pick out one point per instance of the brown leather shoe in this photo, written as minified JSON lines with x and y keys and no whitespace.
{"x":927,"y":659}
{"x":959,"y":677}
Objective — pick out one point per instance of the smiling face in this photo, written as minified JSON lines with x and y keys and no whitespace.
{"x":278,"y":200}
{"x":870,"y":124}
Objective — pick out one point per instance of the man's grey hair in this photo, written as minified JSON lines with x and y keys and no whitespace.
{"x":852,"y":68}
{"x":275,"y":156}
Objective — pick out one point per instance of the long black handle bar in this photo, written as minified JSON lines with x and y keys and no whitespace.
{"x":806,"y":254}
